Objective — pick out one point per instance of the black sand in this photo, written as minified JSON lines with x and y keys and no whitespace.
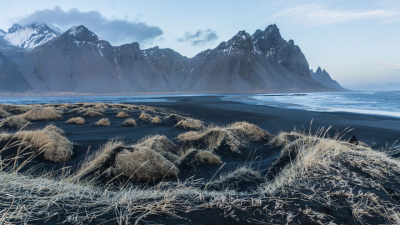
{"x":370,"y":129}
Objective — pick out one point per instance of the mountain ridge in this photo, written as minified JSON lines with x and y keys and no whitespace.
{"x":79,"y":61}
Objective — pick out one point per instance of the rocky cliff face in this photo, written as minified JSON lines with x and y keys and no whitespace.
{"x":79,"y":61}
{"x":323,"y":77}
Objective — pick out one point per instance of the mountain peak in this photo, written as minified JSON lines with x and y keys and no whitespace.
{"x":82,"y":34}
{"x":30,"y":36}
{"x":273,"y":28}
{"x":14,"y":28}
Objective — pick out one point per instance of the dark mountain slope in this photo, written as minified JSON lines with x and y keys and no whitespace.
{"x":10,"y":78}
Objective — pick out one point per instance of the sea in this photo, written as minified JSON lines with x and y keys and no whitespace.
{"x":374,"y":103}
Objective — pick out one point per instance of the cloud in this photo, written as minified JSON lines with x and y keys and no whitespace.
{"x":116,"y":31}
{"x":201,"y":37}
{"x":315,"y":15}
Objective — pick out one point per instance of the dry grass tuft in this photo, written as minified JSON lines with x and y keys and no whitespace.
{"x":129,"y":123}
{"x":332,"y":169}
{"x":252,"y":132}
{"x":285,"y":138}
{"x":156,"y":120}
{"x":104,"y":154}
{"x":160,"y":144}
{"x":242,"y":179}
{"x":76,"y":120}
{"x":194,"y":158}
{"x":41,"y":114}
{"x":15,"y":109}
{"x":189,"y":123}
{"x":15,"y":122}
{"x":233,"y":137}
{"x":53,"y":128}
{"x":4,"y":113}
{"x":92,"y":114}
{"x":143,"y":116}
{"x":55,"y":147}
{"x":122,"y":115}
{"x":103,"y":122}
{"x":144,"y":164}
{"x":138,"y":163}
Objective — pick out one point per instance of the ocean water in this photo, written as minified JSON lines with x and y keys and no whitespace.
{"x":91,"y":98}
{"x":374,"y":103}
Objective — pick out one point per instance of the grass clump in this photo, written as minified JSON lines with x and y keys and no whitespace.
{"x":122,"y":115}
{"x":337,"y":175}
{"x":15,"y":122}
{"x":156,"y":120}
{"x":144,"y":164}
{"x":49,"y":141}
{"x":242,"y":179}
{"x":144,"y":116}
{"x":129,"y":123}
{"x":53,"y":128}
{"x":230,"y":138}
{"x":284,"y":138}
{"x":41,"y":114}
{"x":76,"y":120}
{"x":189,"y":123}
{"x":138,"y":163}
{"x":103,"y":122}
{"x":15,"y":109}
{"x":4,"y":113}
{"x":92,"y":114}
{"x":160,"y":144}
{"x":193,"y":158}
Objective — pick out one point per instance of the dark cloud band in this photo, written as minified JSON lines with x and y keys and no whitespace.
{"x":115,"y":30}
{"x":201,"y":37}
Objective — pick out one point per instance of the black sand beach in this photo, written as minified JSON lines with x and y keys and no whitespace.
{"x":376,"y":131}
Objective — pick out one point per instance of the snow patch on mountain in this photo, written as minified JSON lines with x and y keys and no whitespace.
{"x":30,"y":36}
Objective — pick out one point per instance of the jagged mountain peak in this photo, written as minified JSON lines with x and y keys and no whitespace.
{"x":81,"y":35}
{"x":30,"y":36}
{"x":323,"y":77}
{"x":240,"y":42}
{"x":14,"y":28}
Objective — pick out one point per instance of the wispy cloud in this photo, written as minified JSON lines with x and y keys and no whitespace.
{"x":201,"y":37}
{"x":115,"y":30}
{"x":315,"y":15}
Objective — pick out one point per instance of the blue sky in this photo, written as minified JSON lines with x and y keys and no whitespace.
{"x":357,"y":42}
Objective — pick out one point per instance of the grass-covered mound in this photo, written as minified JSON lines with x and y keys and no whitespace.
{"x":230,"y":138}
{"x":48,"y":141}
{"x":137,"y":162}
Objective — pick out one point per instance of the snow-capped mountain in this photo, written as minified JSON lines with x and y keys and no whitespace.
{"x":30,"y":36}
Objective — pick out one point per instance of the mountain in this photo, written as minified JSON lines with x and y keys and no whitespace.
{"x":30,"y":36}
{"x":323,"y":77}
{"x":390,"y":86}
{"x":80,"y":61}
{"x":262,"y":61}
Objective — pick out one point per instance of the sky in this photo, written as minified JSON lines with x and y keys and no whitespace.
{"x":356,"y":42}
